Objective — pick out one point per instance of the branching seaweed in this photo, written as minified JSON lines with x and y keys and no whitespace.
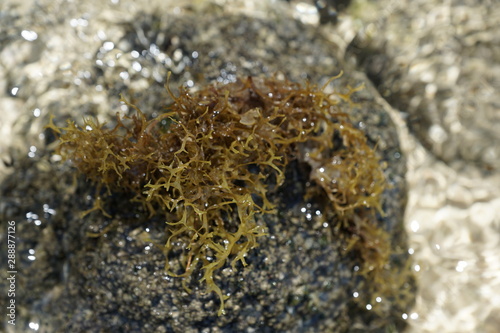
{"x":210,"y":162}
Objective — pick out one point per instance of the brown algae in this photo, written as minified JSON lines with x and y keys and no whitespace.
{"x":211,"y":161}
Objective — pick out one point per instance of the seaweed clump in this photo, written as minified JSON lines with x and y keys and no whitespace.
{"x":211,"y":161}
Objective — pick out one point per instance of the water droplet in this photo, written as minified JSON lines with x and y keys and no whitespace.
{"x":124,"y":75}
{"x":414,"y":225}
{"x":461,"y":266}
{"x":135,"y":54}
{"x":34,"y":326}
{"x":29,"y":35}
{"x":108,"y":46}
{"x":32,"y":151}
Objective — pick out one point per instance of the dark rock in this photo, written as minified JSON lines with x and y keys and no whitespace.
{"x":299,"y":279}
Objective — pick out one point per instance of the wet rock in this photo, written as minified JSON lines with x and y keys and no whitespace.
{"x":299,"y":278}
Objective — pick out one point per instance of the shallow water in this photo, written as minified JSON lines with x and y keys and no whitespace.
{"x":453,"y":214}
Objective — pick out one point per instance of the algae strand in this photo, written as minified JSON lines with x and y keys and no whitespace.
{"x":211,"y":161}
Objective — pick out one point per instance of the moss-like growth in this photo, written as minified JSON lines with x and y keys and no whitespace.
{"x":210,"y":162}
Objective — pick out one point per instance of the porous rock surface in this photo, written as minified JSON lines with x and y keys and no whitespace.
{"x":295,"y":282}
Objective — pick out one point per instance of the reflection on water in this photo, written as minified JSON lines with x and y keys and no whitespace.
{"x":455,"y":241}
{"x":453,"y":218}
